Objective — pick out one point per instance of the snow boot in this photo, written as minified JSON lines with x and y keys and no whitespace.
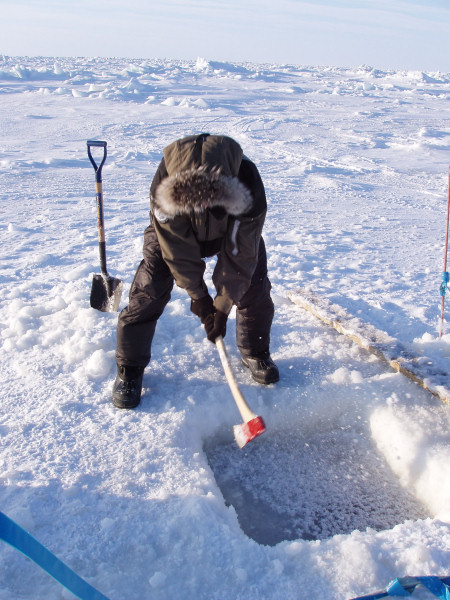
{"x":262,"y":368}
{"x":127,"y":387}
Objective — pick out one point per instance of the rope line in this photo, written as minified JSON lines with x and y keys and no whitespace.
{"x":405,"y":586}
{"x":21,"y":540}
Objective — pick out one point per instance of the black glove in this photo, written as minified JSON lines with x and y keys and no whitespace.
{"x":215,"y":321}
{"x":203,"y":308}
{"x":216,"y":326}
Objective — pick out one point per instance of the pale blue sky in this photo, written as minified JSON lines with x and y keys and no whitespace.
{"x":404,"y":34}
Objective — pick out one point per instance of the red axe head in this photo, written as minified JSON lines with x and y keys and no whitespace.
{"x":248,"y":431}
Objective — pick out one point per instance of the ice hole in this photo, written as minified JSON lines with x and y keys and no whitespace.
{"x":285,"y":486}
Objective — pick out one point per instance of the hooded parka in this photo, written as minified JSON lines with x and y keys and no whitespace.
{"x":206,"y":199}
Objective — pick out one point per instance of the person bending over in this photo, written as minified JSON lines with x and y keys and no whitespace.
{"x":206,"y":199}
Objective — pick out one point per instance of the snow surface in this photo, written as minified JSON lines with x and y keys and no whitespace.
{"x":350,"y":485}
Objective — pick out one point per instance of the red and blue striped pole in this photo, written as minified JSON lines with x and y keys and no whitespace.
{"x":445,"y":275}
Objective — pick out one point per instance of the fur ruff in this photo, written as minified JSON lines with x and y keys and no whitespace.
{"x":198,"y":189}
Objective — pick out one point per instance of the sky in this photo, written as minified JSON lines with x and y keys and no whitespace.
{"x":384,"y":34}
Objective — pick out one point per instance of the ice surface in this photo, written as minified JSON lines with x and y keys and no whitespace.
{"x":355,"y":164}
{"x":288,"y":486}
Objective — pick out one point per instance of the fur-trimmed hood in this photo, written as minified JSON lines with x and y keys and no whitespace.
{"x":202,"y":173}
{"x":198,"y":189}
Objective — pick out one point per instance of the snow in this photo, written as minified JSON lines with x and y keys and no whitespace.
{"x":350,"y":485}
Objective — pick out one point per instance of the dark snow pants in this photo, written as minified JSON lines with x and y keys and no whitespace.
{"x":150,"y":292}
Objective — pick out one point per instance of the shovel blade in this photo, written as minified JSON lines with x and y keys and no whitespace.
{"x":105,"y":293}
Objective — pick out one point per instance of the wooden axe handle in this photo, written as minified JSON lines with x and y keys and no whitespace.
{"x":246,"y":413}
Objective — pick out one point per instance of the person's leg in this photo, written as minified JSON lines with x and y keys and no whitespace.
{"x":149,"y":294}
{"x":254,"y":316}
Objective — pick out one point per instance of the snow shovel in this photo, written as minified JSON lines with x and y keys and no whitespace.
{"x":106,"y":290}
{"x":252,"y":425}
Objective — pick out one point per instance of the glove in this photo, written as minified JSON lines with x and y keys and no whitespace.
{"x":216,"y":325}
{"x":214,"y":321}
{"x":203,"y":308}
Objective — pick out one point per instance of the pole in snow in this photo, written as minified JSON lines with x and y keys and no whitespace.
{"x":445,"y":275}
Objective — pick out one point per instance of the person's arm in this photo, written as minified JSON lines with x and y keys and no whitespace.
{"x":239,"y":255}
{"x":179,"y":247}
{"x":181,"y":252}
{"x":237,"y":261}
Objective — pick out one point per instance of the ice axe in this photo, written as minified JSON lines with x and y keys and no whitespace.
{"x":106,"y":290}
{"x":252,"y":425}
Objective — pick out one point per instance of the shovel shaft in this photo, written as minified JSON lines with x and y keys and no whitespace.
{"x":101,"y":227}
{"x":100,"y":220}
{"x":99,"y":199}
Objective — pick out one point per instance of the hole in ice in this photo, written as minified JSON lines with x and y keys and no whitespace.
{"x":286,"y":486}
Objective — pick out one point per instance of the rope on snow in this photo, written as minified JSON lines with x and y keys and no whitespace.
{"x":18,"y":538}
{"x":405,"y":586}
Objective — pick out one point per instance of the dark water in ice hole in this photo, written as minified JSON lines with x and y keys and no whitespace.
{"x":284,"y":487}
